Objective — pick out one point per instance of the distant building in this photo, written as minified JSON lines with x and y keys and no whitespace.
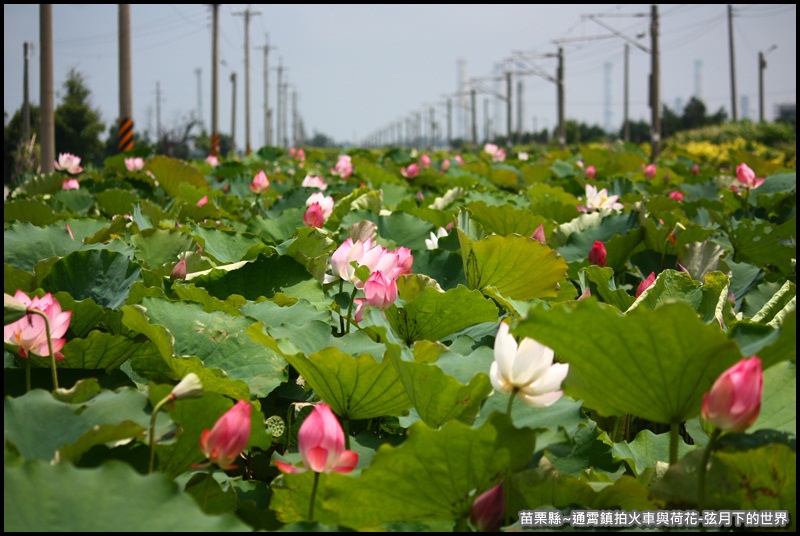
{"x":786,"y":113}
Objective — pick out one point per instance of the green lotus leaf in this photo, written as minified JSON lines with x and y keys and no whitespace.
{"x":105,"y":499}
{"x":156,"y":247}
{"x":24,"y":244}
{"x":171,"y":173}
{"x":654,"y":364}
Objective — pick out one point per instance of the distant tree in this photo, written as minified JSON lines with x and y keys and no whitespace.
{"x":111,"y":146}
{"x":77,"y":124}
{"x":639,"y":131}
{"x":581,"y":132}
{"x":202,"y":143}
{"x":320,"y":140}
{"x":20,"y":155}
{"x":176,"y":141}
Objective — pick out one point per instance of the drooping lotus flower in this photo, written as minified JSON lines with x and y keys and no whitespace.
{"x":229,"y":436}
{"x":29,"y":333}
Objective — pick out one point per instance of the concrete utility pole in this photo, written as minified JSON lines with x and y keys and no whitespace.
{"x":562,"y":123}
{"x":733,"y":63}
{"x":125,"y":134}
{"x":509,"y":132}
{"x":762,"y":64}
{"x":472,"y":95}
{"x":278,"y":105}
{"x":233,"y":113}
{"x":626,"y":126}
{"x":247,"y":13}
{"x":26,"y":103}
{"x":519,"y":111}
{"x":198,"y":71}
{"x":655,"y":85}
{"x":215,"y":81}
{"x":267,"y":111}
{"x":47,"y":127}
{"x":449,"y":123}
{"x":158,"y":112}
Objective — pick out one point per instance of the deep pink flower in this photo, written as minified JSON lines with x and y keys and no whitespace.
{"x":459,"y":160}
{"x":591,"y":172}
{"x":676,"y":195}
{"x":135,"y":163}
{"x":695,"y":169}
{"x":321,"y":445}
{"x":488,"y":510}
{"x":380,"y":290}
{"x":650,"y":171}
{"x":325,"y":203}
{"x":260,"y":183}
{"x":425,"y":161}
{"x":597,"y":255}
{"x":70,"y":184}
{"x":445,"y":164}
{"x":69,"y":163}
{"x":314,"y":216}
{"x":747,"y":177}
{"x":203,"y":200}
{"x":223,"y":443}
{"x":734,"y":401}
{"x":179,"y":271}
{"x":213,"y":160}
{"x":410,"y":172}
{"x":646,"y":283}
{"x":30,"y":332}
{"x":538,"y":234}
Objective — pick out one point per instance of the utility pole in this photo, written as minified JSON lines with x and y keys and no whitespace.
{"x":285,"y":113}
{"x":247,"y":13}
{"x":762,"y":64}
{"x":626,"y":126}
{"x":233,"y":113}
{"x":449,"y":123}
{"x":26,"y":103}
{"x":655,"y":85}
{"x":562,"y":125}
{"x":267,"y":112}
{"x":432,"y":144}
{"x":508,"y":109}
{"x":733,"y":63}
{"x":158,"y":112}
{"x":519,"y":110}
{"x":199,"y":72}
{"x":295,"y":133}
{"x":125,"y":134}
{"x":472,"y":95}
{"x":215,"y":81}
{"x":47,"y":124}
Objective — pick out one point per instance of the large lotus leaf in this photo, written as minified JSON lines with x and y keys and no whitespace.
{"x":38,"y":425}
{"x":354,"y":387}
{"x":432,"y":315}
{"x":48,"y":183}
{"x":580,"y":237}
{"x":645,"y":450}
{"x":110,"y":498}
{"x":604,"y":285}
{"x":438,"y":397}
{"x":779,"y":305}
{"x":786,"y":346}
{"x":171,"y":173}
{"x":779,"y":399}
{"x":14,"y":280}
{"x":401,"y":485}
{"x":73,"y":201}
{"x":115,"y":201}
{"x":404,"y":229}
{"x":763,"y":478}
{"x":517,"y":267}
{"x":655,"y":364}
{"x":24,"y":244}
{"x":263,"y":277}
{"x":228,"y":246}
{"x":102,"y":275}
{"x":220,"y":341}
{"x":29,"y":210}
{"x":505,"y":220}
{"x":100,"y":351}
{"x":701,"y":258}
{"x":585,"y":450}
{"x":553,"y":203}
{"x":156,"y":247}
{"x":670,"y":285}
{"x":311,"y":248}
{"x":764,"y":243}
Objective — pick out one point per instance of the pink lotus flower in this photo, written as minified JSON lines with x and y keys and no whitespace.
{"x":488,"y":510}
{"x":70,"y":184}
{"x":395,"y":263}
{"x":325,"y":203}
{"x":69,"y":163}
{"x":313,"y":216}
{"x":747,"y":177}
{"x":213,"y":160}
{"x":490,"y":149}
{"x":314,"y":182}
{"x":597,"y":255}
{"x":526,"y":369}
{"x":297,"y":154}
{"x":260,"y":183}
{"x":523,"y":157}
{"x":229,"y":436}
{"x":695,"y":169}
{"x":676,"y":195}
{"x":134,"y":164}
{"x":734,"y":401}
{"x":410,"y":172}
{"x":321,"y":445}
{"x":591,"y":172}
{"x":646,"y":283}
{"x":179,"y":271}
{"x":650,"y":171}
{"x":203,"y":200}
{"x":344,"y":167}
{"x":445,"y":165}
{"x":365,"y":253}
{"x":538,"y":234}
{"x":459,"y":160}
{"x":425,"y":161}
{"x":30,"y":332}
{"x":380,"y":290}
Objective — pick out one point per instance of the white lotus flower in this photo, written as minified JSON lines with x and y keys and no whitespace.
{"x":527,"y":369}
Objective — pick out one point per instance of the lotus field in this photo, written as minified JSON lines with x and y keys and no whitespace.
{"x":397,"y":340}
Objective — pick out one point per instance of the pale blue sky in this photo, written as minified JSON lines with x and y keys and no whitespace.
{"x":359,"y":68}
